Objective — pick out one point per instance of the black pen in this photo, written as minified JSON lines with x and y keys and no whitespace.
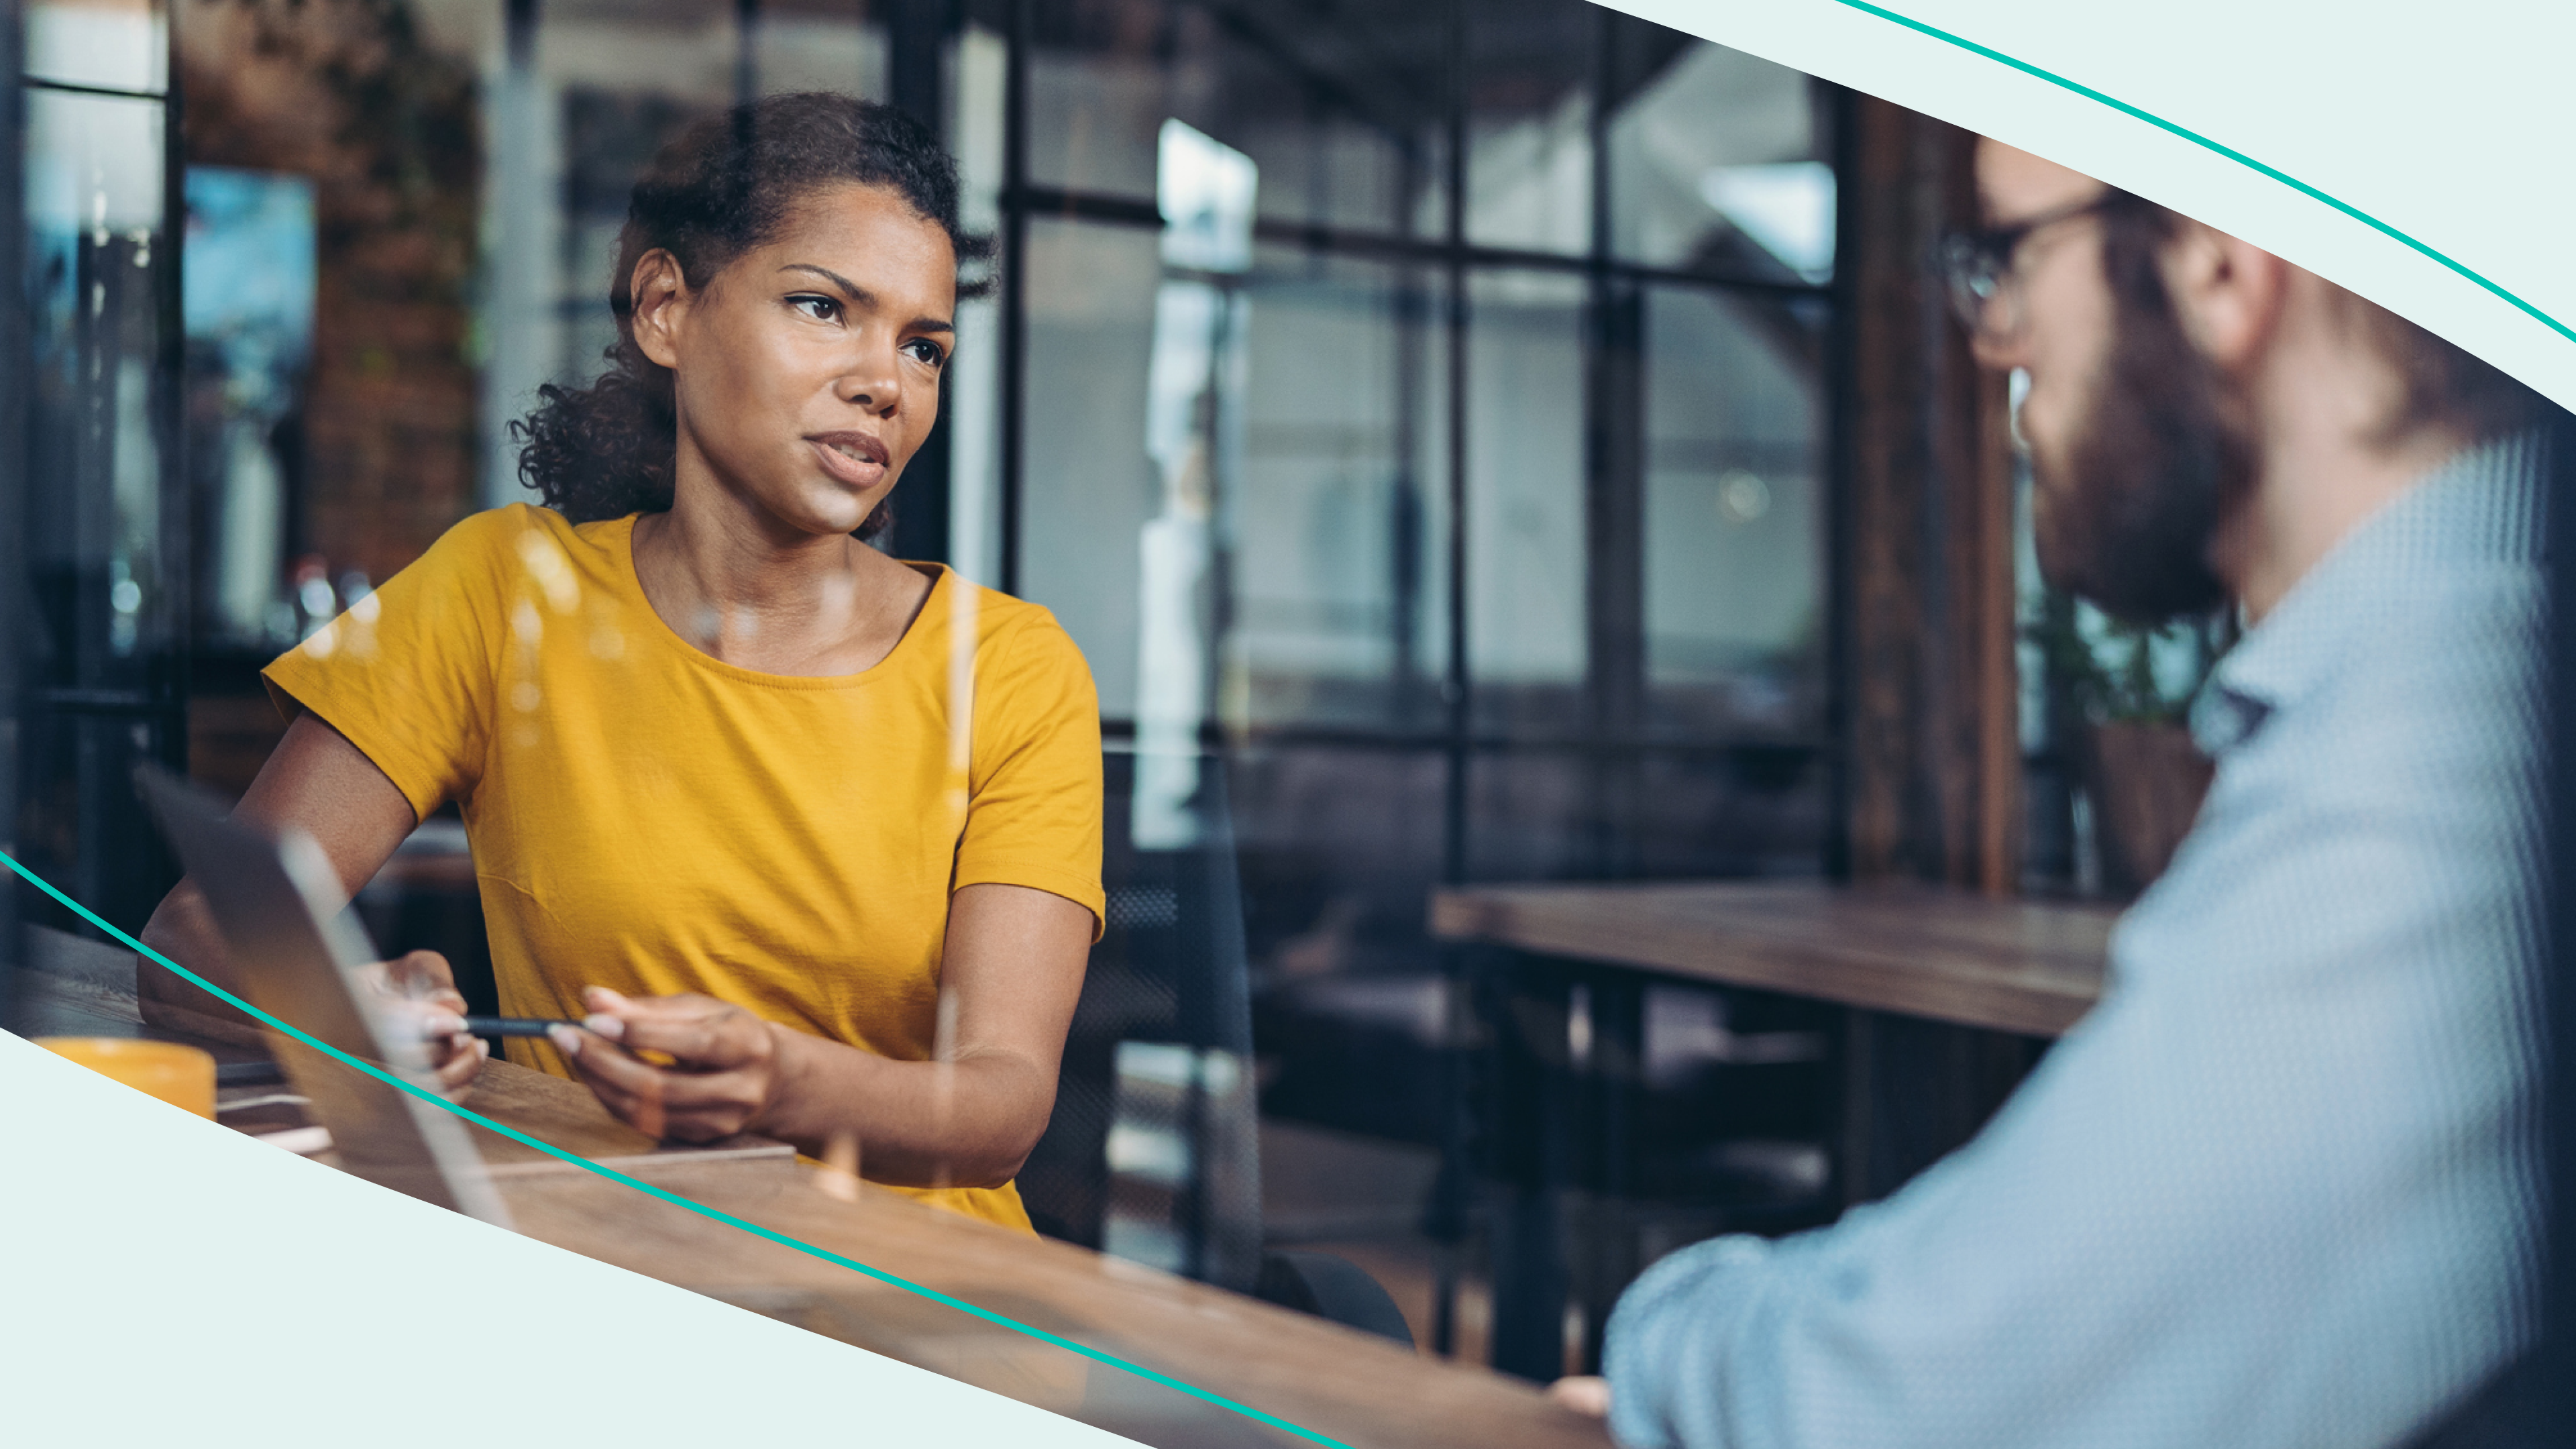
{"x":512,"y":1025}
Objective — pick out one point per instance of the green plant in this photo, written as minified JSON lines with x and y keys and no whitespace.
{"x":2116,"y":672}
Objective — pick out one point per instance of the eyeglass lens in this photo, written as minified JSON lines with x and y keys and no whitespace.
{"x":1976,"y":268}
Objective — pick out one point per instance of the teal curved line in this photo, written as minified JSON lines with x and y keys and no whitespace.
{"x":665,"y":1194}
{"x":2219,"y":147}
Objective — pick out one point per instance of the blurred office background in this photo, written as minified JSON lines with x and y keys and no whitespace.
{"x":1470,"y":442}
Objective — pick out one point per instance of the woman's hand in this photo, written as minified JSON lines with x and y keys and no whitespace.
{"x":693,"y":1069}
{"x":421,"y":988}
{"x":724,"y":1070}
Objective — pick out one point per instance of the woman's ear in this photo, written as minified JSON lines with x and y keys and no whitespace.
{"x":2228,"y":293}
{"x":662,"y":296}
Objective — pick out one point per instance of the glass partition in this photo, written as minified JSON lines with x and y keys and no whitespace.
{"x":107,"y":45}
{"x":1530,"y":105}
{"x":1090,"y":484}
{"x":1527,"y":648}
{"x":1344,"y":126}
{"x":1722,"y":163}
{"x":1377,"y":404}
{"x":105,"y":557}
{"x":1340,"y":594}
{"x":1735,"y":516}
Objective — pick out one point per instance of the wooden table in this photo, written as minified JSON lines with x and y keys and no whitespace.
{"x":2027,"y":967}
{"x":1347,"y":1386}
{"x":2006,"y":965}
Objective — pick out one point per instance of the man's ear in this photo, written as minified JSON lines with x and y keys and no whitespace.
{"x":2229,"y":294}
{"x":662,"y":299}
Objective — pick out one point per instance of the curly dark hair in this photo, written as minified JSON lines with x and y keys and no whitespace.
{"x":722,"y":187}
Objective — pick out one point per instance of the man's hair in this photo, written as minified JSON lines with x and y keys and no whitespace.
{"x":2440,"y":385}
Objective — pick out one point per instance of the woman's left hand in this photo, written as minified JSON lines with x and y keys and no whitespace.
{"x":724,"y":1068}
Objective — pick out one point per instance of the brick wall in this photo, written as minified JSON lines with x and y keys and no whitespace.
{"x":345,"y":93}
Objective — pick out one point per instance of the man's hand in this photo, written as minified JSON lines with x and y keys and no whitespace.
{"x":724,"y":1070}
{"x":421,"y":988}
{"x":1584,"y":1394}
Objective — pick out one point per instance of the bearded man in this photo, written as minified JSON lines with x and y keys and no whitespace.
{"x":2282,"y":1186}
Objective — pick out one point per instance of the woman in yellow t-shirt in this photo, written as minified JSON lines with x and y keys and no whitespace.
{"x":819,"y":827}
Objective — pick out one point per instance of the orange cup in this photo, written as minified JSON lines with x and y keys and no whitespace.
{"x":182,"y":1076}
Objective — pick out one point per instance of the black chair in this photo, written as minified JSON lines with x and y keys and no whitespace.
{"x":1154,"y":1149}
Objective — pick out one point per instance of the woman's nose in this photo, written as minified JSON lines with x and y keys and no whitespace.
{"x":873,"y":383}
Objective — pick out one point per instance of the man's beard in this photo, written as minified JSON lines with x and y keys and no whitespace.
{"x":2154,"y":471}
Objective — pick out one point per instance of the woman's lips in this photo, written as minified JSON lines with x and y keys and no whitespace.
{"x":864,"y":470}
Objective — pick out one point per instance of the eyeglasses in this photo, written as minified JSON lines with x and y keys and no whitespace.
{"x":1978,"y":265}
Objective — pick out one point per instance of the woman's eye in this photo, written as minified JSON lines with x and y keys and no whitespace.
{"x":821,"y":309}
{"x":926,"y":352}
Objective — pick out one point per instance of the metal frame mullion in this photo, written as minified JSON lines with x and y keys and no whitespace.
{"x":1110,"y":209}
{"x":178,"y":521}
{"x":75,"y":88}
{"x":1457,"y":683}
{"x":15,"y":389}
{"x":1011,"y":375}
{"x":1453,"y":1218}
{"x":2542,"y":1408}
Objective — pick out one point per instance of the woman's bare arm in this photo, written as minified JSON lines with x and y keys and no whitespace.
{"x":319,"y":783}
{"x":1009,"y":979}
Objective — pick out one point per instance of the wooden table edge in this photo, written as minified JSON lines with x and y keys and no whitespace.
{"x":2003,"y":1001}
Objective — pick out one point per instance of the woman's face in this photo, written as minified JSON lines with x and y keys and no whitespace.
{"x":807,"y":370}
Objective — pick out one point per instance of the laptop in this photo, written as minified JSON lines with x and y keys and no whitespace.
{"x":283,"y":916}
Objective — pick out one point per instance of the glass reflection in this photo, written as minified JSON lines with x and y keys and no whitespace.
{"x":971,"y":393}
{"x":100,"y":421}
{"x":1342,"y":121}
{"x":102,"y":573}
{"x":1091,"y":486}
{"x":1734,"y":516}
{"x":117,"y":45}
{"x":1339,"y":568}
{"x":1193,"y":434}
{"x":1529,"y":125}
{"x":1718,"y":161}
{"x":249,"y":316}
{"x":1233,"y":444}
{"x":1525,"y":493}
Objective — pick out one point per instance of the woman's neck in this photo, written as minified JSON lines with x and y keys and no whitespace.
{"x":748,"y":590}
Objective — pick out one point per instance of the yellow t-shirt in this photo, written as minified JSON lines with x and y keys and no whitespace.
{"x":648,"y":818}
